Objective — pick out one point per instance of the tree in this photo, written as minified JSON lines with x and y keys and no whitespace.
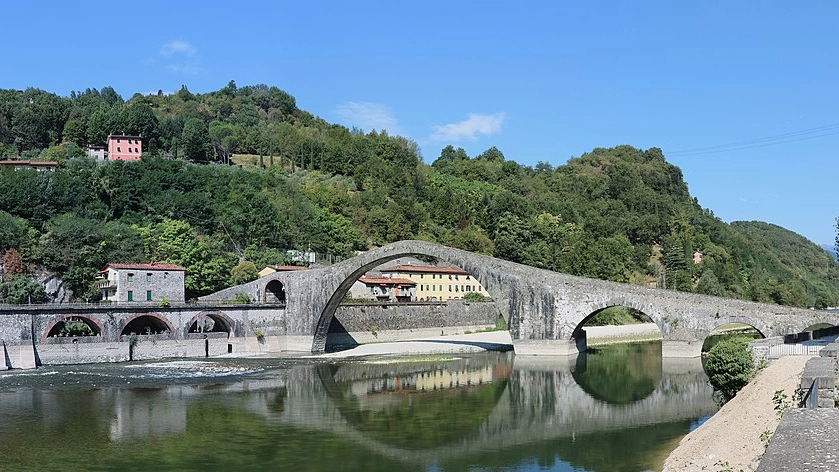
{"x":242,"y":272}
{"x":730,"y":365}
{"x":20,"y":289}
{"x":12,"y":262}
{"x":224,"y":138}
{"x":195,"y":140}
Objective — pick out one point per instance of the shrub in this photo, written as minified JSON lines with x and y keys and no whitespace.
{"x":730,"y":365}
{"x":475,"y":297}
{"x":241,"y":298}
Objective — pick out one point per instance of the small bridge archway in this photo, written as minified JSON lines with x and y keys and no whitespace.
{"x":55,"y":326}
{"x":211,"y":322}
{"x":146,"y":323}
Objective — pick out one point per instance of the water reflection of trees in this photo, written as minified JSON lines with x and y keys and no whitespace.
{"x":621,"y":373}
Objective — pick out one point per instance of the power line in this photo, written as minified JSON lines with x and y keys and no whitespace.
{"x":791,"y":137}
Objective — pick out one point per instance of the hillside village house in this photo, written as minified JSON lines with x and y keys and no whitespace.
{"x":124,"y":148}
{"x":437,"y":283}
{"x":29,"y":165}
{"x":385,"y":289}
{"x":149,"y":283}
{"x":96,"y":152}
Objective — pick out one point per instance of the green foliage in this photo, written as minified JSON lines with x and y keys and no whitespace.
{"x":729,"y":365}
{"x":241,"y":298}
{"x":242,"y":272}
{"x":475,"y":297}
{"x":75,"y":327}
{"x":20,"y":289}
{"x":621,"y":214}
{"x":618,"y":315}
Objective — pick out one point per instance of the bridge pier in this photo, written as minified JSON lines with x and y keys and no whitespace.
{"x":18,"y":356}
{"x":681,"y":348}
{"x":548,"y":347}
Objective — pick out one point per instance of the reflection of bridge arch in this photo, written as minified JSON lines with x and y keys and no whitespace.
{"x":146,"y":323}
{"x":55,"y":325}
{"x":526,"y":412}
{"x":221,"y":322}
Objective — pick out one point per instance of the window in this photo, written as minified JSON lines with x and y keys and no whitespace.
{"x":148,"y":276}
{"x":450,"y":276}
{"x":455,"y":277}
{"x":135,"y":150}
{"x":450,"y":288}
{"x":130,"y":277}
{"x":117,"y":140}
{"x":148,"y":295}
{"x":467,"y":277}
{"x":422,"y":276}
{"x":130,"y":296}
{"x":118,"y":149}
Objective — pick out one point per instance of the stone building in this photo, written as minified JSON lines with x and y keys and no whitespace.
{"x":149,"y":283}
{"x":386,"y":289}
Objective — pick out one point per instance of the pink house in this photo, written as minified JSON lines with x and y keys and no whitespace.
{"x":124,"y":148}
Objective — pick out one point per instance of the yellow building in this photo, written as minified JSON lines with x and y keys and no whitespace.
{"x":437,"y":283}
{"x":270,"y":269}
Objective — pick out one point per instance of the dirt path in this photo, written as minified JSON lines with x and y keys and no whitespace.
{"x":731,"y":439}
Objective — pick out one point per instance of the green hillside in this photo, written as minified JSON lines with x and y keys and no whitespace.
{"x":231,"y":179}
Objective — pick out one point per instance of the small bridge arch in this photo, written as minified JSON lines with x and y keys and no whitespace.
{"x":274,"y":291}
{"x":54,"y":327}
{"x":220,"y":322}
{"x":146,"y":323}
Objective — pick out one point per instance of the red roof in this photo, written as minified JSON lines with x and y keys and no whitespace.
{"x":426,"y":269}
{"x":29,"y":163}
{"x":140,"y":266}
{"x":385,"y":281}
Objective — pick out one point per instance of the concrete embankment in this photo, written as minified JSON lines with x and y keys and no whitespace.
{"x":735,"y":437}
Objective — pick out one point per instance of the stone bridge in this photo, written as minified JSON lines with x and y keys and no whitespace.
{"x":544,"y":310}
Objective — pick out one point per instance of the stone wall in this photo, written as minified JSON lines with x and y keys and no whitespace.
{"x":356,"y":324}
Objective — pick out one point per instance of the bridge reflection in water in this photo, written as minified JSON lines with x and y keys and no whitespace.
{"x":486,"y":411}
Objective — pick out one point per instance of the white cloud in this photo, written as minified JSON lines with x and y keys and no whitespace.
{"x":470,"y":128}
{"x":181,"y":57}
{"x":177,"y":47}
{"x":368,"y":116}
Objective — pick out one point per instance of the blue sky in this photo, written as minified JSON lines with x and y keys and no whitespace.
{"x":542,"y":81}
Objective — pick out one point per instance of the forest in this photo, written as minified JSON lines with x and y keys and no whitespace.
{"x":230,"y":180}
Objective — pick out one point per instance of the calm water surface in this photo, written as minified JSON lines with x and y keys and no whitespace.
{"x":616,"y":409}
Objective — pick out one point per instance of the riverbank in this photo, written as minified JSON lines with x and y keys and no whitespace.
{"x":736,"y":437}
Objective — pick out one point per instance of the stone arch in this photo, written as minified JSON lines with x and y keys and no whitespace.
{"x":56,"y":324}
{"x":221,"y":322}
{"x":595,"y":308}
{"x":138,"y":322}
{"x":274,"y":292}
{"x":757,"y":324}
{"x":356,"y":267}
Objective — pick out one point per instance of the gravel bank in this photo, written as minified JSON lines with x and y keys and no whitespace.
{"x":731,"y":439}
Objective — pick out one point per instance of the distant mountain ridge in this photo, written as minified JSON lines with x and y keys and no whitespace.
{"x":831,"y":249}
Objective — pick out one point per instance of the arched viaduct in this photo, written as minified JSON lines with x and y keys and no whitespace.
{"x":544,"y":310}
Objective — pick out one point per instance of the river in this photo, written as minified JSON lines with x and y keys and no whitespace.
{"x":619,"y":408}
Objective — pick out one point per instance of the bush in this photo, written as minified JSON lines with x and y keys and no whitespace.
{"x":475,"y":297}
{"x":730,"y":365}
